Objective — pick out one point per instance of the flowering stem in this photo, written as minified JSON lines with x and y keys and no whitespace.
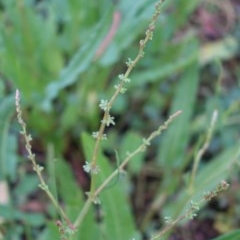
{"x":194,"y":207}
{"x":124,"y":78}
{"x":142,"y":147}
{"x":37,"y":168}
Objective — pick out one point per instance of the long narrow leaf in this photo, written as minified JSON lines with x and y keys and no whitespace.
{"x":79,"y":62}
{"x":234,"y":235}
{"x":73,"y":200}
{"x":173,"y":146}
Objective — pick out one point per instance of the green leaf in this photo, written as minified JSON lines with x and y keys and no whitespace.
{"x":131,"y":141}
{"x":208,"y":177}
{"x":8,"y":147}
{"x":73,"y":199}
{"x":174,"y":58}
{"x":27,"y":52}
{"x":234,"y":235}
{"x":117,"y":220}
{"x":33,"y":219}
{"x":81,"y":60}
{"x":27,"y":184}
{"x":50,"y":232}
{"x":174,"y":143}
{"x":8,"y":213}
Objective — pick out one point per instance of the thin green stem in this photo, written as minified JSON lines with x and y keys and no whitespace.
{"x":202,"y":151}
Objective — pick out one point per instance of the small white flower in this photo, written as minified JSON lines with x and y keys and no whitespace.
{"x":122,"y":90}
{"x":104,"y":136}
{"x":87,"y":167}
{"x":194,"y":205}
{"x":91,"y":169}
{"x":126,"y":80}
{"x":95,"y":135}
{"x":108,"y":121}
{"x":123,"y":78}
{"x":168,"y":220}
{"x":129,"y":62}
{"x":103,"y":104}
{"x":116,"y":86}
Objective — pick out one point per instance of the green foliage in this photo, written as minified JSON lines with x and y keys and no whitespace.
{"x":8,"y":145}
{"x":178,"y":135}
{"x":49,"y":51}
{"x":207,"y":179}
{"x":74,"y":199}
{"x":230,"y":236}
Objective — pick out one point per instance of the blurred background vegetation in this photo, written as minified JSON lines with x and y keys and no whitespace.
{"x":64,"y":56}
